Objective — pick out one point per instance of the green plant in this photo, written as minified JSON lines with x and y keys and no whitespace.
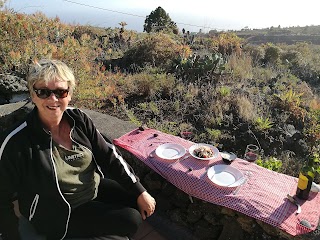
{"x":312,"y":127}
{"x":155,"y":49}
{"x":291,"y":98}
{"x":165,"y":126}
{"x":224,"y":91}
{"x":154,"y":108}
{"x":272,"y":164}
{"x":196,"y":66}
{"x":263,"y":124}
{"x":159,"y":20}
{"x":228,"y":43}
{"x":313,"y":163}
{"x":133,"y":119}
{"x":213,"y":134}
{"x":272,"y":54}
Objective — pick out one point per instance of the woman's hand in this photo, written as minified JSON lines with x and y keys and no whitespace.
{"x":146,"y":204}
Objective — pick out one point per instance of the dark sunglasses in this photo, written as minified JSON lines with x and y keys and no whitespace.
{"x":45,"y":93}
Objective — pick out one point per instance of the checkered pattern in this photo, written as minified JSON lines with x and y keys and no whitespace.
{"x":263,"y":196}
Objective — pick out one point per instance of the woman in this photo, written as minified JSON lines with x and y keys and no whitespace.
{"x":60,"y":167}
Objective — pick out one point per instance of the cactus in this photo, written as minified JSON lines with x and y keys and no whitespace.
{"x":196,"y":67}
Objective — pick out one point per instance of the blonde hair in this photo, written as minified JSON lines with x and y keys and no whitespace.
{"x":47,"y":70}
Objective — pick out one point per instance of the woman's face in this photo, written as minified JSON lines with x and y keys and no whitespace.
{"x":51,"y":108}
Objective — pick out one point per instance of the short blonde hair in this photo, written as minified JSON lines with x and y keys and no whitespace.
{"x":47,"y":70}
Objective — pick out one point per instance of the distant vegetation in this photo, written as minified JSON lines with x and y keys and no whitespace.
{"x":215,"y":88}
{"x":288,"y":35}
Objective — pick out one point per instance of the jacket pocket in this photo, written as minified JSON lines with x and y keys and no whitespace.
{"x":33,"y":207}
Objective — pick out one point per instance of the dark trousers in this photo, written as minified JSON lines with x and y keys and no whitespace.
{"x":113,"y":212}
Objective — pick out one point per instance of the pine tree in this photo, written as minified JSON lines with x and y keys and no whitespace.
{"x":159,"y":20}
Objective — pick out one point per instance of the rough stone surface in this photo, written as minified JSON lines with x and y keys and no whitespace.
{"x":10,"y":85}
{"x":231,"y":230}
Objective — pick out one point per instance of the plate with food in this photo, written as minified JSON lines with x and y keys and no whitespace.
{"x":203,"y":151}
{"x":228,"y":157}
{"x":170,"y":151}
{"x":225,"y":175}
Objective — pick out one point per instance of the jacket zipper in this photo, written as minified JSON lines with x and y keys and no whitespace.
{"x":58,"y":187}
{"x":33,"y":206}
{"x":94,"y":159}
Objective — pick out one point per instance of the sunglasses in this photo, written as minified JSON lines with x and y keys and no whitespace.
{"x":45,"y":93}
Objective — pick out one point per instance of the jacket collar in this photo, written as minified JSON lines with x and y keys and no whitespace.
{"x":37,"y":127}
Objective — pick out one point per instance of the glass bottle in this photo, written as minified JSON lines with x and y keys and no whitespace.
{"x":306,"y":177}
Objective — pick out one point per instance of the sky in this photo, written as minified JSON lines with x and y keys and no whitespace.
{"x":192,"y":15}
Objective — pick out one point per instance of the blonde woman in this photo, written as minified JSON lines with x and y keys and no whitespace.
{"x":69,"y":180}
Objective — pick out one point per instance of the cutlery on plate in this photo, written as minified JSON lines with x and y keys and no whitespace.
{"x":238,"y":188}
{"x":206,"y":169}
{"x":294,"y":201}
{"x":239,"y":182}
{"x":180,"y":159}
{"x":245,"y":179}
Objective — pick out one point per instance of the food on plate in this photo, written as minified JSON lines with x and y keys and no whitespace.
{"x":203,"y":152}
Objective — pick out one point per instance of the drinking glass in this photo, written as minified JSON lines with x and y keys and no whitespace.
{"x":252,"y":153}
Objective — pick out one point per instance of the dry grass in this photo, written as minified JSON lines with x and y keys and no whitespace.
{"x":245,"y":108}
{"x":240,"y":66}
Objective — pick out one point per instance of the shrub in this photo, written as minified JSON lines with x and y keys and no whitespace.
{"x":240,"y":66}
{"x":245,"y":108}
{"x":272,"y":54}
{"x":156,"y":49}
{"x":271,"y":163}
{"x":263,"y":124}
{"x":256,"y":52}
{"x":146,"y":84}
{"x":228,"y":44}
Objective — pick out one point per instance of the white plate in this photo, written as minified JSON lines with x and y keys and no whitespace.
{"x":195,"y":146}
{"x":225,"y":175}
{"x":170,"y":151}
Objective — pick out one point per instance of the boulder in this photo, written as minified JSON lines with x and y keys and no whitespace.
{"x":12,"y":86}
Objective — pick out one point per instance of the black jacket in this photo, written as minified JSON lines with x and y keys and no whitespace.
{"x":27,"y":170}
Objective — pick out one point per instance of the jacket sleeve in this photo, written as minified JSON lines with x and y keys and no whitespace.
{"x":8,"y":181}
{"x":111,"y":161}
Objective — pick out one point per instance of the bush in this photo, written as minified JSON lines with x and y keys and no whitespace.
{"x":156,"y":49}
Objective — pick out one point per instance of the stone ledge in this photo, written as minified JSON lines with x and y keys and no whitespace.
{"x":205,"y":220}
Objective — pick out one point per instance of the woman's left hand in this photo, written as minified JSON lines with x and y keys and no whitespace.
{"x":146,"y":204}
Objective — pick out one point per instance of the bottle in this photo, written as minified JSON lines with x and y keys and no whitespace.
{"x":306,"y":177}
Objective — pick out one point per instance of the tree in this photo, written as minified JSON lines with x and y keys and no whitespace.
{"x":159,"y":20}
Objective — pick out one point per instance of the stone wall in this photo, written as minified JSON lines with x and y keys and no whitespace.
{"x":201,"y":220}
{"x":205,"y":220}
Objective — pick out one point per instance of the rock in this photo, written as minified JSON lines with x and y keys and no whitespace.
{"x":289,"y":130}
{"x":11,"y":113}
{"x":246,"y":223}
{"x":194,"y":213}
{"x":228,"y":212}
{"x":11,"y":85}
{"x":152,"y":182}
{"x":203,"y":230}
{"x":268,"y":228}
{"x":231,"y":230}
{"x":178,"y":216}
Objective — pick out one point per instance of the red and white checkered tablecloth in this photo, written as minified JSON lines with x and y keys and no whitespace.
{"x":263,"y":196}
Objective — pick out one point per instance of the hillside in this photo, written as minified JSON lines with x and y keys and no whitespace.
{"x":212,"y":88}
{"x":292,"y":35}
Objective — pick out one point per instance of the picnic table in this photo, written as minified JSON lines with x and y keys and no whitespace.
{"x":262,"y":196}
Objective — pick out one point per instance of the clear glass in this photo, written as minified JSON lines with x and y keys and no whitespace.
{"x":252,"y":153}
